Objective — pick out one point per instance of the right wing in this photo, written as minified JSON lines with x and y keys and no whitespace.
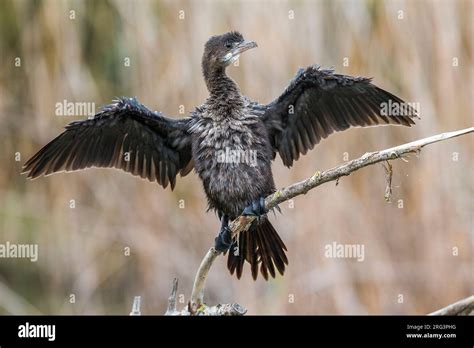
{"x":124,"y":135}
{"x":319,"y":102}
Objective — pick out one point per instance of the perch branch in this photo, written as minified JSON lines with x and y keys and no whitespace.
{"x":242,"y":223}
{"x":197,"y":296}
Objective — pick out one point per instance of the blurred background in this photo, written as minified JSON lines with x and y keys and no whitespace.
{"x":126,"y":236}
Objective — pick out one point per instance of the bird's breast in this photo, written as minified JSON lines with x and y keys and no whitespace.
{"x":232,"y":161}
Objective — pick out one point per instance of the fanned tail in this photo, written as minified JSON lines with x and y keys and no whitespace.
{"x":259,"y":246}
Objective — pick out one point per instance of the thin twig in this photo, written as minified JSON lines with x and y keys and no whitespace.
{"x":388,"y":178}
{"x":171,"y":310}
{"x":462,"y":307}
{"x":136,"y":306}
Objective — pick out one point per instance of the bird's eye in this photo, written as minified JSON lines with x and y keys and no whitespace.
{"x":228,"y":44}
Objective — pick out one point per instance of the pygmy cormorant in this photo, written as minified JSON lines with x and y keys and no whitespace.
{"x":230,"y":141}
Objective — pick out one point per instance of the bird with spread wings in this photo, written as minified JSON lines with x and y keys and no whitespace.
{"x":126,"y":135}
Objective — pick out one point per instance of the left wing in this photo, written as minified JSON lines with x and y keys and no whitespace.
{"x":124,"y":135}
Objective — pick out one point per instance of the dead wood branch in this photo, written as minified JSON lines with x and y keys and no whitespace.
{"x":462,"y":307}
{"x":242,"y":223}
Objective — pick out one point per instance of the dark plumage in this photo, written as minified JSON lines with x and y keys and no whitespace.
{"x":128,"y":136}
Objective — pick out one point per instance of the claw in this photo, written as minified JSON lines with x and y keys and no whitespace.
{"x":256,"y":208}
{"x":223,"y":241}
{"x":262,"y":205}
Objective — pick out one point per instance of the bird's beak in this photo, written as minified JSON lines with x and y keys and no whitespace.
{"x":233,"y":55}
{"x":243,"y":46}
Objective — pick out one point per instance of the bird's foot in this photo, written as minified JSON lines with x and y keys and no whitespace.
{"x":223,"y":241}
{"x":256,"y":208}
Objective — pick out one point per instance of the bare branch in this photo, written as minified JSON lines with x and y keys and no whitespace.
{"x":197,"y":295}
{"x":194,"y":309}
{"x":388,"y":178}
{"x":136,"y":306}
{"x":242,"y":223}
{"x":462,"y":307}
{"x":171,"y":310}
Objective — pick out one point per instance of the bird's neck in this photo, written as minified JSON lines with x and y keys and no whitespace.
{"x":222,"y":88}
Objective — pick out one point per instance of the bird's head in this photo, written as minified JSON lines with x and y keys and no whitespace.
{"x":222,"y":50}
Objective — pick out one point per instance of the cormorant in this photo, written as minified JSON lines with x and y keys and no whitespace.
{"x":230,"y":141}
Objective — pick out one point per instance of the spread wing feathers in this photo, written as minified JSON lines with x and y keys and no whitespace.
{"x":318,"y":102}
{"x":124,"y":135}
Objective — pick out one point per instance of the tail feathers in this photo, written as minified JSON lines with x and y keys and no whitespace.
{"x":259,"y":246}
